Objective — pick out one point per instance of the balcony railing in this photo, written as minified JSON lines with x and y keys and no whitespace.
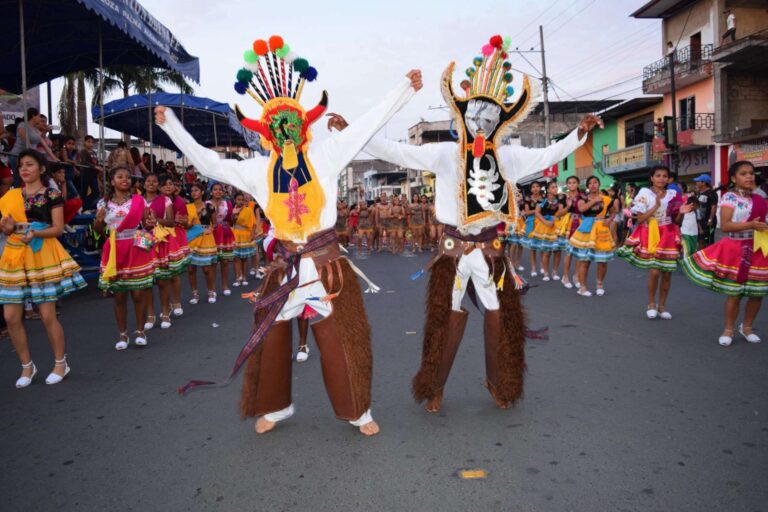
{"x":691,"y":64}
{"x":688,"y":58}
{"x":704,"y":121}
{"x":632,"y":158}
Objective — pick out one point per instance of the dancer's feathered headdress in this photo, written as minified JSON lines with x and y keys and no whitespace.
{"x":490,"y":78}
{"x":274,"y":76}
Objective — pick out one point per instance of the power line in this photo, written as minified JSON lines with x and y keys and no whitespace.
{"x":564,"y":11}
{"x":608,"y":87}
{"x":531,"y":23}
{"x":569,"y":19}
{"x":630,"y":41}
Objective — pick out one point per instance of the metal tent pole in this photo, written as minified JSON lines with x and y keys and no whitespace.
{"x":23,"y":47}
{"x":101,"y":109}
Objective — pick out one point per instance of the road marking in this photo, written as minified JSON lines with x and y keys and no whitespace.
{"x":472,"y":474}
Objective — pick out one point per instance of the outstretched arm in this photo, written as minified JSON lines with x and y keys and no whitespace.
{"x":519,"y":162}
{"x":341,"y":148}
{"x":424,"y":157}
{"x":247,"y":175}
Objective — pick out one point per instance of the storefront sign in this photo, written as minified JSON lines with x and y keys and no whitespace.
{"x":755,"y":152}
{"x":696,"y":161}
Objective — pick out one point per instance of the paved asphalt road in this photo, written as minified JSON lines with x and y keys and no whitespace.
{"x":620,"y":413}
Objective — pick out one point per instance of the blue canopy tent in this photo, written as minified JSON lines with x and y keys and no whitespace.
{"x":45,"y":39}
{"x":209,"y":122}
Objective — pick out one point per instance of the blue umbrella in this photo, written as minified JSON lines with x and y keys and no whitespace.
{"x":59,"y":37}
{"x":208,"y":121}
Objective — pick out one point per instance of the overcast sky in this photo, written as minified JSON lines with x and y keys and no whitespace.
{"x":594,"y":50}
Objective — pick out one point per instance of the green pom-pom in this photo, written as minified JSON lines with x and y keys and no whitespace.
{"x":470,"y":72}
{"x":282,"y":52}
{"x":250,"y":56}
{"x":507,"y":77}
{"x":244,"y":75}
{"x":506,"y":65}
{"x":507,"y":42}
{"x":477,"y":61}
{"x":300,"y":65}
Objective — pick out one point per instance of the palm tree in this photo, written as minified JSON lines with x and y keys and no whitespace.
{"x":142,"y":80}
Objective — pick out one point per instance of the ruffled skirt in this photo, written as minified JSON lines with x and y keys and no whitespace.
{"x":225,"y":241}
{"x":43,"y":276}
{"x":597,"y":245}
{"x":203,"y":250}
{"x":135,"y":267}
{"x":245,"y":245}
{"x":635,"y":249}
{"x":730,"y":267}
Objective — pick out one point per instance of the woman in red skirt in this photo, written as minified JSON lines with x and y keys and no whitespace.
{"x":223,"y":234}
{"x":737,"y":265}
{"x":656,"y":244}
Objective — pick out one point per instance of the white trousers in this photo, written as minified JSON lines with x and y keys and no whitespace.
{"x":473,"y":266}
{"x":307,"y":296}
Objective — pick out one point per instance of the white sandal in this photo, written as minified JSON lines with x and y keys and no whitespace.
{"x":141,"y":339}
{"x":55,"y":378}
{"x":123,"y":343}
{"x":303,"y":354}
{"x":751,"y":337}
{"x":23,"y":382}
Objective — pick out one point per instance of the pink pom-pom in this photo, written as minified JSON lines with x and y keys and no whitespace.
{"x":487,"y":50}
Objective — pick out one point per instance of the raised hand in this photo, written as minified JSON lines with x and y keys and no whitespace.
{"x":588,"y":122}
{"x":336,"y":121}
{"x":160,"y":114}
{"x":414,"y":76}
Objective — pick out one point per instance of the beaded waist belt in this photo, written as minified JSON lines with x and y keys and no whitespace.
{"x":742,"y":235}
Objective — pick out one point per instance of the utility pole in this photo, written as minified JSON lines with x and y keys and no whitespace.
{"x":675,"y":147}
{"x":545,"y":84}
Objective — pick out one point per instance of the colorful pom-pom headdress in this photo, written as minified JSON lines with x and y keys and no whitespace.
{"x":483,"y":115}
{"x":274,"y":76}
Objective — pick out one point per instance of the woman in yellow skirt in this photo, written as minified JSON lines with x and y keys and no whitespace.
{"x":544,"y":240}
{"x":203,"y":251}
{"x":244,"y":226}
{"x":592,"y":240}
{"x":34,"y":265}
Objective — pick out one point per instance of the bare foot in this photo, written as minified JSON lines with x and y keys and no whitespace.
{"x":370,"y":429}
{"x":501,"y":404}
{"x":434,"y":404}
{"x":263,"y":425}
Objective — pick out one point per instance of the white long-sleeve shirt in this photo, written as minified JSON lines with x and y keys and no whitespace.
{"x":442,"y":158}
{"x":328,"y":158}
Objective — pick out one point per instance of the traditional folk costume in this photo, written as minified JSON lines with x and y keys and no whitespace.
{"x":171,"y":257}
{"x":544,"y":237}
{"x":128,"y":260}
{"x":474,"y":192}
{"x":655,"y":243}
{"x":592,"y":240}
{"x":365,"y":225}
{"x":245,"y":243}
{"x":179,"y":231}
{"x":222,"y":231}
{"x":737,"y":264}
{"x":41,"y":270}
{"x":529,"y":221}
{"x":203,"y":251}
{"x":569,"y":222}
{"x":297,"y":183}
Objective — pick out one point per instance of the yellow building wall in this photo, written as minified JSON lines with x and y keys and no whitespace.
{"x":658,"y":111}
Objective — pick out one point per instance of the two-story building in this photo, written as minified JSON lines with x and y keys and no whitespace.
{"x":720,"y":86}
